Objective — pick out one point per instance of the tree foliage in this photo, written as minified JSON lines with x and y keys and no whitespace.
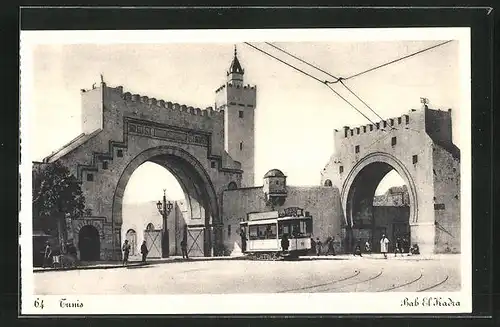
{"x":56,"y":192}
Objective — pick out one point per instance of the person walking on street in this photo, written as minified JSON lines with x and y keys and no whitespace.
{"x":126,"y":252}
{"x":144,"y":251}
{"x":243,"y":236}
{"x":47,"y":255}
{"x":184,"y":249}
{"x":398,"y":247}
{"x":384,"y":245}
{"x":357,"y":249}
{"x":331,"y":248}
{"x":318,"y":247}
{"x":368,"y":248}
{"x":285,"y":243}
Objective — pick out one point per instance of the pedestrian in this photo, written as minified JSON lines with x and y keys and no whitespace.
{"x":384,"y":245}
{"x":47,"y":255}
{"x":144,"y":251}
{"x":414,"y":249}
{"x":243,"y":236}
{"x":285,"y":243}
{"x":331,"y":248}
{"x":126,"y":252}
{"x":406,"y":245}
{"x":184,"y":249}
{"x":398,"y":248}
{"x":368,"y":248}
{"x":357,"y":249}
{"x":318,"y":246}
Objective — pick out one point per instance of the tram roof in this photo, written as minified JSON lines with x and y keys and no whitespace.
{"x":273,"y":220}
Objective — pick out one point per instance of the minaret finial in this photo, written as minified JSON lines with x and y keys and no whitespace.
{"x":235,"y":50}
{"x":102,"y":78}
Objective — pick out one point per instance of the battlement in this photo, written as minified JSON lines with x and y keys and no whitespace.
{"x":138,"y":98}
{"x":401,"y":122}
{"x":230,"y":85}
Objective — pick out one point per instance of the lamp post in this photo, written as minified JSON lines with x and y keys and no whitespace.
{"x":164,"y":208}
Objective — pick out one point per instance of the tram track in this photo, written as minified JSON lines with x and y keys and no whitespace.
{"x":356,"y":273}
{"x":402,"y":285}
{"x":435,"y":285}
{"x":355,"y":283}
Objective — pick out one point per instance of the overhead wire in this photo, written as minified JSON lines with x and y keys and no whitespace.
{"x":338,"y":79}
{"x":313,"y":77}
{"x":396,"y":60}
{"x":342,"y":79}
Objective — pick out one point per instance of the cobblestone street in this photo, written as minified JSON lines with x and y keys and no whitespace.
{"x":334,"y":274}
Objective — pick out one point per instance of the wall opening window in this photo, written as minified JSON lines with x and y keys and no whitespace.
{"x":399,"y":120}
{"x":90,"y":177}
{"x":241,"y":113}
{"x":241,"y":145}
{"x":341,"y":169}
{"x":119,"y":153}
{"x":415,"y":159}
{"x":393,"y":141}
{"x":356,"y":149}
{"x":228,"y":230}
{"x":212,"y":164}
{"x":104,"y":165}
{"x":407,"y":119}
{"x":328,"y":182}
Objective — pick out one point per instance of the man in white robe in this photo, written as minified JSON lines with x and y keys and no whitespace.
{"x":384,"y":245}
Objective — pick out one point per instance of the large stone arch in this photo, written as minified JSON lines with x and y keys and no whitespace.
{"x":385,"y":162}
{"x":191,"y":175}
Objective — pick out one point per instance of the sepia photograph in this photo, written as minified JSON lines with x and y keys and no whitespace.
{"x":246,"y":171}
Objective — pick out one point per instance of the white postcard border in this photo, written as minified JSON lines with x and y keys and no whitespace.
{"x":376,"y":303}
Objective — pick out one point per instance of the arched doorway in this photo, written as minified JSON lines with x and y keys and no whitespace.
{"x":131,"y":236}
{"x":200,"y":195}
{"x":89,"y":243}
{"x":365,"y":220}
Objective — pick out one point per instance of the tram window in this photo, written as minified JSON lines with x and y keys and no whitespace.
{"x":284,"y":228}
{"x":253,"y":232}
{"x":298,"y":228}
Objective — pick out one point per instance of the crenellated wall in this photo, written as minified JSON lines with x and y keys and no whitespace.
{"x":132,"y":129}
{"x":408,"y":144}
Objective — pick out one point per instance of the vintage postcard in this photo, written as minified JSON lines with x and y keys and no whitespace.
{"x":320,"y":171}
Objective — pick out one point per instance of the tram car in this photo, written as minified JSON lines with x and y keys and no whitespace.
{"x":264,"y":236}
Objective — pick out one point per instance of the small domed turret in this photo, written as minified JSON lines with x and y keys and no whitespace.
{"x":275,"y":186}
{"x":274,"y":173}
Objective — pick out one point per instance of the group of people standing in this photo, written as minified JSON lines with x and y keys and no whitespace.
{"x":402,"y":245}
{"x":63,"y":255}
{"x":126,"y":248}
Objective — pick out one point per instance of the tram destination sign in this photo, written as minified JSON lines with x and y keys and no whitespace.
{"x":291,"y":212}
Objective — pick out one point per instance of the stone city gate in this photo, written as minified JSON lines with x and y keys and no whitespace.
{"x":419,"y":147}
{"x":121,"y":131}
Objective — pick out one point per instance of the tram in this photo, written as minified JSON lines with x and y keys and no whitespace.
{"x":264,"y":236}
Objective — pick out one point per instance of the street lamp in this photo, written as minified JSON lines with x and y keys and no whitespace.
{"x":164,"y":208}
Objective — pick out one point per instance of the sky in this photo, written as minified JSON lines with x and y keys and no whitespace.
{"x":299,"y":109}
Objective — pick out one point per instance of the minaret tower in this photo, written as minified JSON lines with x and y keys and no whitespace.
{"x":238,"y":102}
